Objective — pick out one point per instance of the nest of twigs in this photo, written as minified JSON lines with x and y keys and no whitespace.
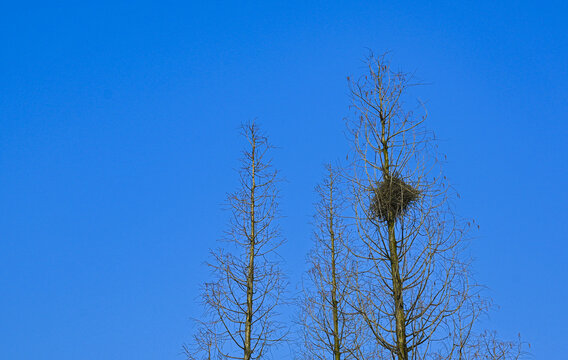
{"x":391,"y":198}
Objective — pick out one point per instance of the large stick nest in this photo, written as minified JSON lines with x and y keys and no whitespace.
{"x":391,"y":198}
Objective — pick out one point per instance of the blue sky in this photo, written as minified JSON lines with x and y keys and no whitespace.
{"x":119,"y":139}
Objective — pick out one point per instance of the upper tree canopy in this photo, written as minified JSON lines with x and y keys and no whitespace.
{"x":414,"y":284}
{"x":242,"y":300}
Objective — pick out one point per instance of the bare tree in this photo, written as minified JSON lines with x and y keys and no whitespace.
{"x":414,"y":289}
{"x":489,"y":347}
{"x":242,"y":300}
{"x":205,"y":343}
{"x":330,"y":328}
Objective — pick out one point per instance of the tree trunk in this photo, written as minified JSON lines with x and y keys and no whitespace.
{"x":401,"y":348}
{"x":402,"y":351}
{"x":334,"y":304}
{"x":250,"y":274}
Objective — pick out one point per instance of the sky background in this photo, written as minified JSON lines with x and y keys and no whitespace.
{"x":119,"y":139}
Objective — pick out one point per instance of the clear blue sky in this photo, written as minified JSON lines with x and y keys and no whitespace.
{"x":118,"y":140}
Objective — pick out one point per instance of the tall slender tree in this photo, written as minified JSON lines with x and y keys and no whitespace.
{"x":330,"y":327}
{"x":241,"y":302}
{"x":414,"y":288}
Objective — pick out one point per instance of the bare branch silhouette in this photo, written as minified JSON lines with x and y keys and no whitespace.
{"x":241,"y":302}
{"x":414,"y":286}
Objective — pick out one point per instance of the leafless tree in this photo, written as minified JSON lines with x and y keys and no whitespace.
{"x":414,"y":288}
{"x":328,"y":322}
{"x":487,"y":346}
{"x":205,"y":343}
{"x":241,"y":302}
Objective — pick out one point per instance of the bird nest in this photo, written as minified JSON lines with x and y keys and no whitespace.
{"x":391,"y":198}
